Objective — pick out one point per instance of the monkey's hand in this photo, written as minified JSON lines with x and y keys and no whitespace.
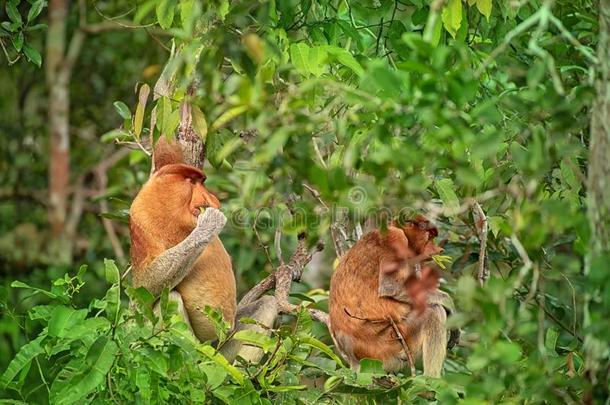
{"x":169,"y":268}
{"x":210,"y":223}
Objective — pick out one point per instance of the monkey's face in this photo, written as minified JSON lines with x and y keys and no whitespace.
{"x":183,"y":187}
{"x":201,"y":197}
{"x":421,"y":233}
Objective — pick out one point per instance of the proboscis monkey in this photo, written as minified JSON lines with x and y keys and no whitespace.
{"x":175,"y":246}
{"x":381,"y":308}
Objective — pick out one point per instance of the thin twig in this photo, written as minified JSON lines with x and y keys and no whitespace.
{"x":480,"y":221}
{"x":403,"y":343}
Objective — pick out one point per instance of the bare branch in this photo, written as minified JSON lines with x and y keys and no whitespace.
{"x":281,"y":280}
{"x":481,"y":225}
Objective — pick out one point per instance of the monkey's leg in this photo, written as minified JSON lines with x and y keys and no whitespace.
{"x":434,"y":342}
{"x":265,"y":311}
{"x":174,"y":296}
{"x":442,"y":298}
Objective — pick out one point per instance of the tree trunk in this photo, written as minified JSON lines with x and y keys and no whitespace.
{"x":59,"y":139}
{"x":597,"y":301}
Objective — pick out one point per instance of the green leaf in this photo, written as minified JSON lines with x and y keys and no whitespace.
{"x":23,"y":358}
{"x":306,"y":60}
{"x":111,"y":271}
{"x":506,"y":352}
{"x":345,"y":58}
{"x":550,"y":340}
{"x":32,"y":54}
{"x":110,"y":136}
{"x":167,"y":119}
{"x":21,"y":284}
{"x":452,"y":16}
{"x":313,"y":342}
{"x":223,"y":9}
{"x":200,"y":125}
{"x":484,"y":7}
{"x":256,"y":339}
{"x":42,"y":312}
{"x":97,"y":364}
{"x":219,"y":359}
{"x":18,"y":41}
{"x":35,"y":10}
{"x":371,"y":366}
{"x":165,"y":13}
{"x":122,"y":109}
{"x":140,"y":109}
{"x":12,"y":12}
{"x":446,"y":191}
{"x":64,"y":319}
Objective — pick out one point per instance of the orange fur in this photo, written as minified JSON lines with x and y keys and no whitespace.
{"x":360,"y":318}
{"x":162,"y":215}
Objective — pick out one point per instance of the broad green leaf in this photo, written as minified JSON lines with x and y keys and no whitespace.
{"x":35,"y":10}
{"x":229,"y":115}
{"x":369,"y":368}
{"x":345,"y":58}
{"x":165,"y":13}
{"x":484,"y":7}
{"x":313,"y":342}
{"x":215,"y":142}
{"x":452,"y":16}
{"x":113,"y":300}
{"x":308,"y":60}
{"x":223,"y":9}
{"x":200,"y":125}
{"x":167,"y":118}
{"x":219,"y":359}
{"x":111,"y":271}
{"x":18,"y":41}
{"x":506,"y":352}
{"x":140,"y":109}
{"x":32,"y":54}
{"x":41,"y":312}
{"x":122,"y":109}
{"x":143,"y":383}
{"x":97,"y":364}
{"x":446,"y":191}
{"x":256,"y":339}
{"x":64,"y":319}
{"x":21,"y":284}
{"x":25,"y":355}
{"x":12,"y":12}
{"x":111,"y":135}
{"x":550,"y":341}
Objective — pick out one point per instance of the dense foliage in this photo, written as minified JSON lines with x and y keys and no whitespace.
{"x":351,"y":112}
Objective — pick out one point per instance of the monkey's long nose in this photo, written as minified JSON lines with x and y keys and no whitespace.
{"x":210,"y":200}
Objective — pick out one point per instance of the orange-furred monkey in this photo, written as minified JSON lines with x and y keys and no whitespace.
{"x":174,"y":246}
{"x":381,"y":308}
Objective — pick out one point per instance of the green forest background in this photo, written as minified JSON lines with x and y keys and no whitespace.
{"x":319,"y":117}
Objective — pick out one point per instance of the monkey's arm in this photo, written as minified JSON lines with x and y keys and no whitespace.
{"x":170,"y":267}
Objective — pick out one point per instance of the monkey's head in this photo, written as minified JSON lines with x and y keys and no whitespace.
{"x":421,"y":233}
{"x":183,"y":189}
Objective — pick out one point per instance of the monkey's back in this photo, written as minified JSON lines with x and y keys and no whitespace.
{"x":359,"y":318}
{"x":211,"y":282}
